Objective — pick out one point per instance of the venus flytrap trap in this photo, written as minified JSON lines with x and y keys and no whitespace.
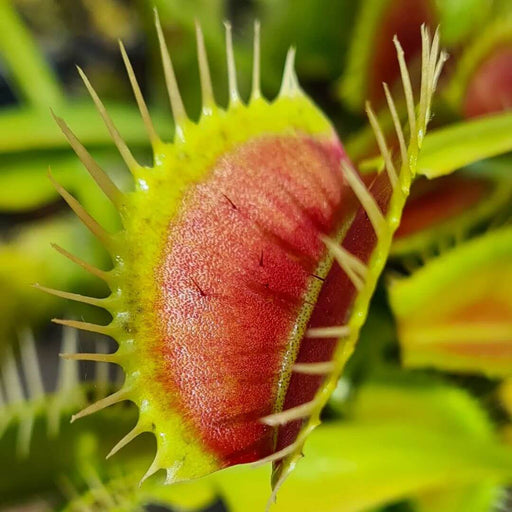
{"x":22,"y":407}
{"x":441,"y":327}
{"x":39,"y":447}
{"x":481,"y":81}
{"x":443,"y":212}
{"x":247,"y":259}
{"x":371,"y":58}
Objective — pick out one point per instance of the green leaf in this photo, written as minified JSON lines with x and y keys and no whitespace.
{"x":24,"y":129}
{"x":406,"y":437}
{"x":481,"y":497}
{"x":452,"y":147}
{"x":455,"y":313}
{"x":376,"y":459}
{"x":29,"y":70}
{"x":449,"y":208}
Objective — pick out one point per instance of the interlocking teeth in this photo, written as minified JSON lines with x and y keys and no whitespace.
{"x":95,"y":357}
{"x":26,"y":404}
{"x":84,"y":326}
{"x":400,"y":175}
{"x":234,"y":95}
{"x":367,"y":201}
{"x":355,"y":269}
{"x":136,"y":431}
{"x":204,"y":73}
{"x":178,"y":109}
{"x":338,"y":331}
{"x":91,"y":224}
{"x":105,"y":276}
{"x":98,"y":174}
{"x":144,"y":112}
{"x":121,"y":145}
{"x":381,"y":142}
{"x":324,"y":368}
{"x":289,"y":85}
{"x":93,"y":301}
{"x":288,"y":415}
{"x":396,"y":122}
{"x":119,"y":396}
{"x":256,"y":92}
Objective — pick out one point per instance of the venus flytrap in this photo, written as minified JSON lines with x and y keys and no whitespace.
{"x":230,"y":359}
{"x":455,"y":312}
{"x":443,"y":212}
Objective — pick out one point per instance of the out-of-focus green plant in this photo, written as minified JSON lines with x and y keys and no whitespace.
{"x":391,"y":435}
{"x":406,"y":438}
{"x":455,"y":313}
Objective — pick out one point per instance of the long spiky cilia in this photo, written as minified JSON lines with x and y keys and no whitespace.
{"x":21,"y":404}
{"x":243,"y":271}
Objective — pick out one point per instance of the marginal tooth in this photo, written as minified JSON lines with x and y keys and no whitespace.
{"x":144,"y":112}
{"x":84,"y":326}
{"x":288,"y":83}
{"x":128,"y":438}
{"x":204,"y":72}
{"x":337,"y":331}
{"x":86,"y":266}
{"x":97,"y":358}
{"x":324,"y":368}
{"x":98,"y":174}
{"x":114,"y":398}
{"x":281,"y":454}
{"x":381,"y":142}
{"x":178,"y":109}
{"x":234,"y":96}
{"x":425,"y":79}
{"x":443,"y":57}
{"x":72,"y":296}
{"x":433,"y":60}
{"x":406,"y":83}
{"x":30,"y":364}
{"x":67,"y":380}
{"x":355,"y":269}
{"x":68,"y":371}
{"x":121,"y":145}
{"x":398,"y":126}
{"x":155,"y":466}
{"x":256,"y":79}
{"x":284,"y":417}
{"x":365,"y":198}
{"x":355,"y":279}
{"x":79,"y":210}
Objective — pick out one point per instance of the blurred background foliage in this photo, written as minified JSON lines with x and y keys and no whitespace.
{"x":420,"y":420}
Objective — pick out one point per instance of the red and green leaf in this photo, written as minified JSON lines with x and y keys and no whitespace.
{"x":243,"y":272}
{"x":443,"y":211}
{"x":455,"y":313}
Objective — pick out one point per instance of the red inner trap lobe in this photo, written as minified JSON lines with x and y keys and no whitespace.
{"x":236,"y":268}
